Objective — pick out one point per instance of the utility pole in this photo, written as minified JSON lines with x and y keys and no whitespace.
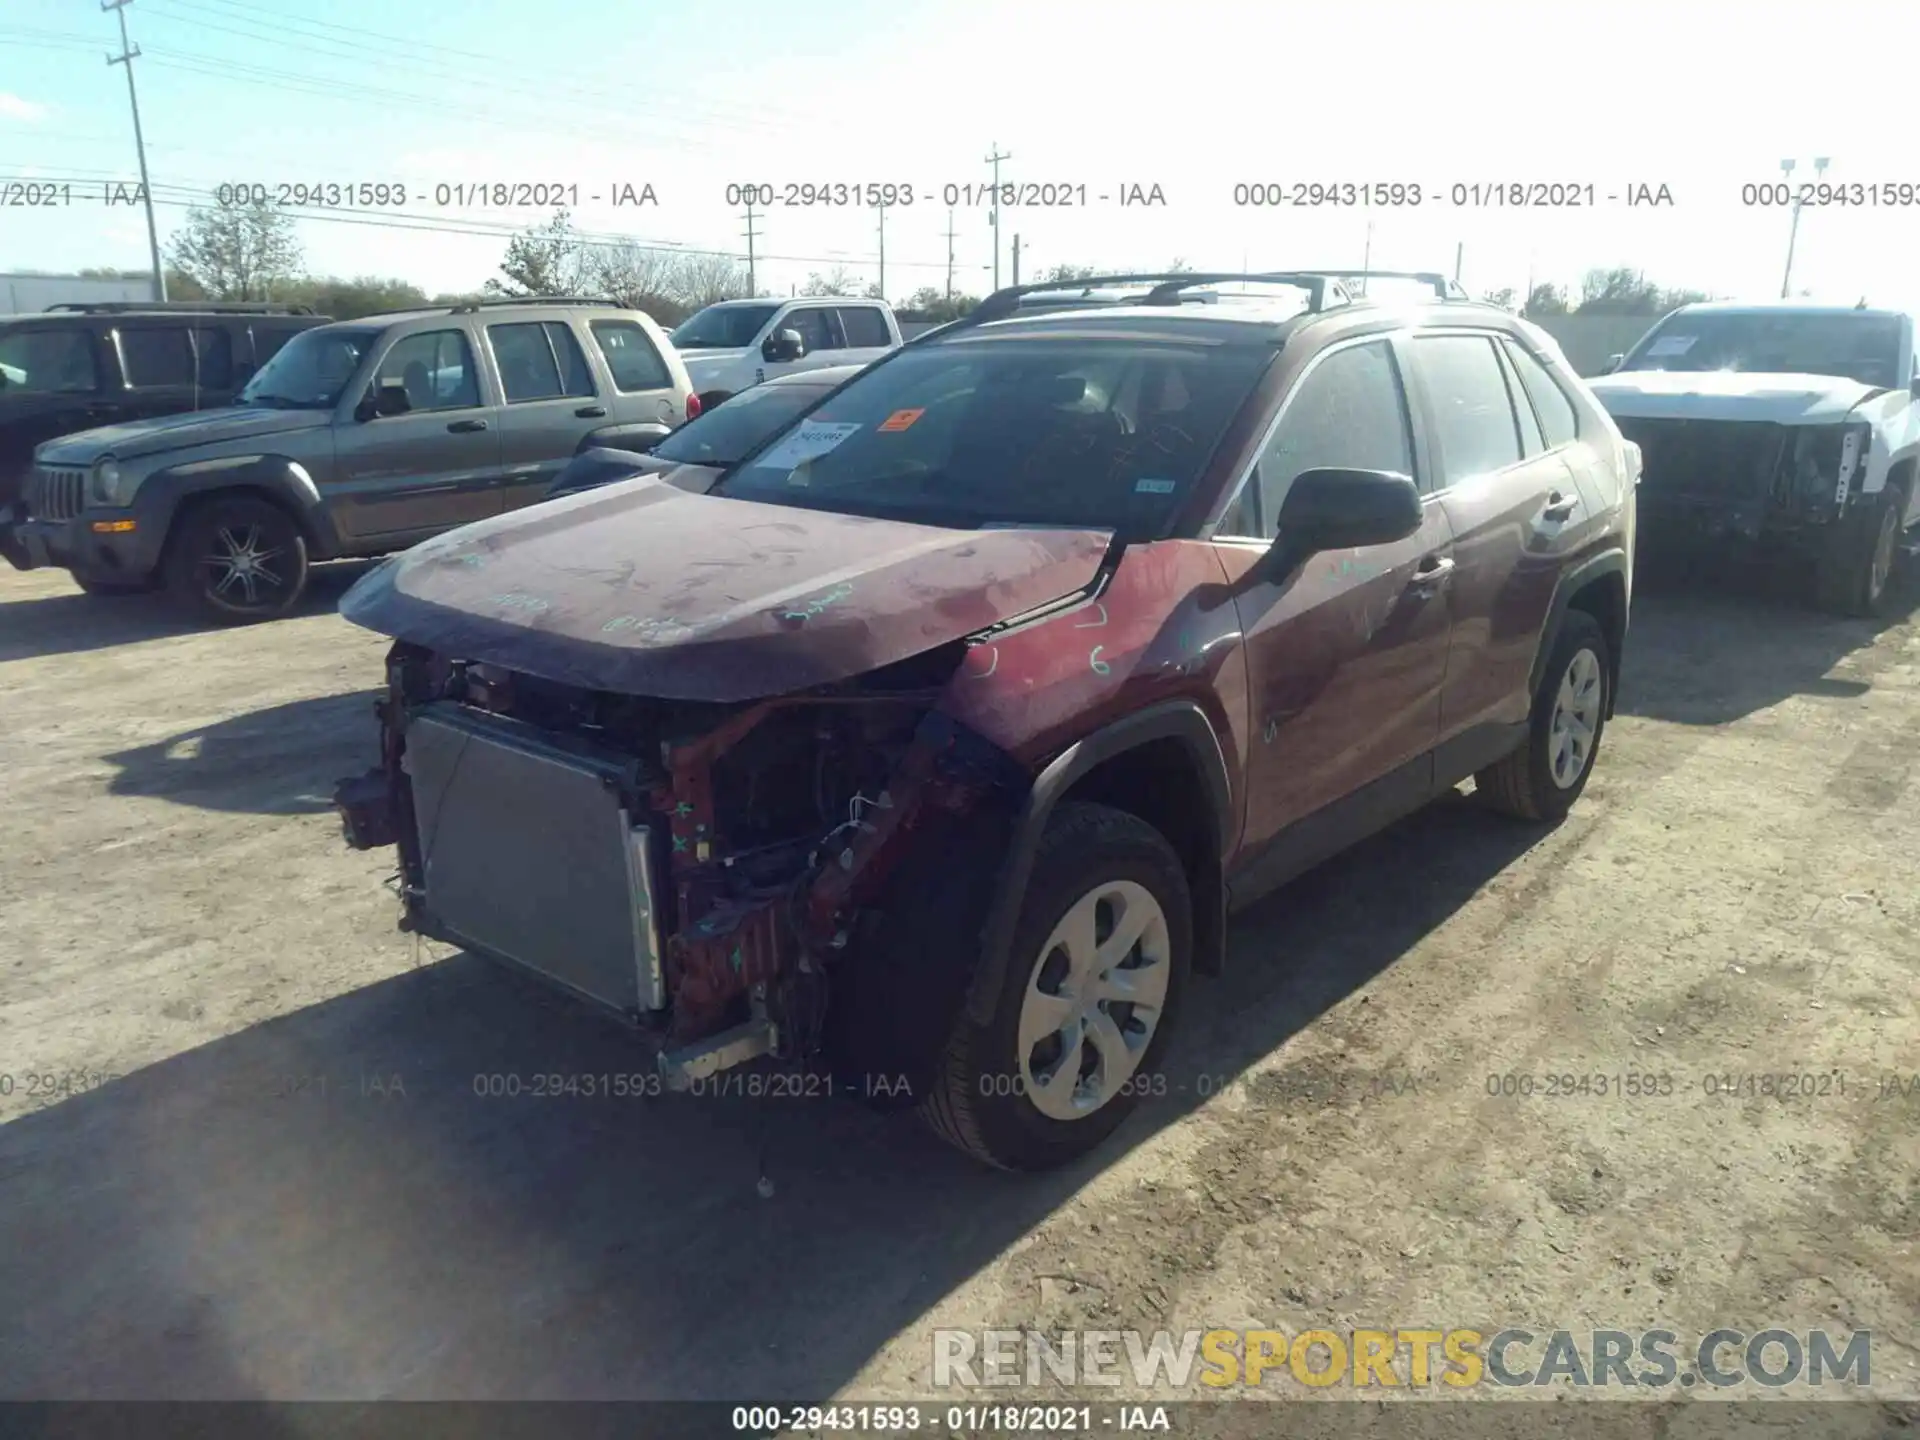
{"x":1366,"y":258}
{"x":883,"y":252}
{"x":126,"y":57}
{"x":1016,"y":259}
{"x":1459,"y":259}
{"x":993,"y":215}
{"x":752,"y":287}
{"x":949,"y":252}
{"x":1793,"y":231}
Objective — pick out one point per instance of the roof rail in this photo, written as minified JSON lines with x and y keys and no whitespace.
{"x":470,"y":306}
{"x":183,"y":307}
{"x":1443,"y":288}
{"x":1166,"y":287}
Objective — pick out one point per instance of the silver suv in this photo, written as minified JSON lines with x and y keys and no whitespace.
{"x":357,"y":438}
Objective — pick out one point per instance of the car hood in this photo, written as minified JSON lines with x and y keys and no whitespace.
{"x":177,"y":432}
{"x":1729,"y":395}
{"x":642,"y":588}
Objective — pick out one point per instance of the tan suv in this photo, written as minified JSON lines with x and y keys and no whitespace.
{"x":357,"y":438}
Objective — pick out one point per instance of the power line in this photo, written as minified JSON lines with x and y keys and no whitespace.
{"x":126,"y":58}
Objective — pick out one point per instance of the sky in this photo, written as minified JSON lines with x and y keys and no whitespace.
{"x":590,"y":95}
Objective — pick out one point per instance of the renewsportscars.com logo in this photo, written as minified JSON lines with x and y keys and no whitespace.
{"x":1406,"y":1358}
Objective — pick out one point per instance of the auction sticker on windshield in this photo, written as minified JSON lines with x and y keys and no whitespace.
{"x":809,"y":442}
{"x":1671,"y":345}
{"x":901,"y":419}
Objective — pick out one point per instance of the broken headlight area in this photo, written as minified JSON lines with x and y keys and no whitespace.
{"x":700,"y":867}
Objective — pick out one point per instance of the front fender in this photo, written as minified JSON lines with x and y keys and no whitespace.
{"x":279,"y":478}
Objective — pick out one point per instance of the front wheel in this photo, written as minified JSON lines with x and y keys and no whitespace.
{"x":1852,"y":573}
{"x":1094,"y":980}
{"x":237,"y":559}
{"x":1542,"y":779}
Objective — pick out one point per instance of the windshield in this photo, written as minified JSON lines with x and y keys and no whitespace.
{"x":1862,"y":347}
{"x":311,"y":370}
{"x":1073,"y":432}
{"x":720,"y":436}
{"x":47,"y":361}
{"x":722,"y":327}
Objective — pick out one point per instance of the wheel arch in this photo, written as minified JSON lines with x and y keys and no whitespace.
{"x":1598,"y":587}
{"x":279,"y":480}
{"x":1164,"y":765}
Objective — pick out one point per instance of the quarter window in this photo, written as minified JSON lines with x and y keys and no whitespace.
{"x":1473,"y":413}
{"x":630,"y":356}
{"x":437,"y":369}
{"x":1348,"y":412}
{"x":1559,"y":421}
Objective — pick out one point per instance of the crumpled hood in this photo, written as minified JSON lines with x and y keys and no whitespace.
{"x":641,"y":588}
{"x":1729,"y":395}
{"x":178,"y":432}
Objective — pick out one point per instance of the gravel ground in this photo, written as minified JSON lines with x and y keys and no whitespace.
{"x":290,"y":1189}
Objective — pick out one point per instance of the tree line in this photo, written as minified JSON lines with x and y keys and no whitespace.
{"x":254,"y":253}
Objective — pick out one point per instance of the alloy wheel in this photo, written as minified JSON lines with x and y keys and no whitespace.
{"x":242,"y":566}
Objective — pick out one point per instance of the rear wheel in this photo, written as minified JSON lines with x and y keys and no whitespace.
{"x":1098,"y":966}
{"x":1542,"y":779}
{"x":1852,"y":573}
{"x":237,"y":559}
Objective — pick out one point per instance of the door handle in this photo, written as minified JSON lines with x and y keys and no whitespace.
{"x":591,"y":412}
{"x":1559,"y":507}
{"x":1432,"y":572}
{"x":467,"y":427}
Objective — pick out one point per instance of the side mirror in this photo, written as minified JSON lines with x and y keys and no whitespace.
{"x":783,"y":345}
{"x":640,"y":439}
{"x":1913,"y":389}
{"x":1341,"y":510}
{"x":1614,"y":362}
{"x":388,"y":397}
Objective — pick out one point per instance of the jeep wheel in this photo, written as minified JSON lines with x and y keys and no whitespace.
{"x":1094,"y":980}
{"x":1851,"y":574}
{"x":238,"y":559}
{"x":1542,"y":779}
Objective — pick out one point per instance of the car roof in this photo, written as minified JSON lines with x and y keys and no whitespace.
{"x":1243,"y":318}
{"x":1780,"y":307}
{"x":826,"y":375}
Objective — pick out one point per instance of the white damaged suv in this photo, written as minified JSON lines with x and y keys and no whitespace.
{"x":1781,"y":422}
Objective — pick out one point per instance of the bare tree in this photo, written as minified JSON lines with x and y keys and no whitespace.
{"x":703,"y":278}
{"x":837,"y":281}
{"x":237,"y":252}
{"x":544,"y":260}
{"x":638,"y":277}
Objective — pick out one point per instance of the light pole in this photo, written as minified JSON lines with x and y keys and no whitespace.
{"x":1793,"y":229}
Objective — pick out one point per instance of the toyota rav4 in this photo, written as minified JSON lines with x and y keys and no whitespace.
{"x":937,"y":736}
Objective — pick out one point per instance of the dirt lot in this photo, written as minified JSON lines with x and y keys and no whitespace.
{"x":294,"y":1191}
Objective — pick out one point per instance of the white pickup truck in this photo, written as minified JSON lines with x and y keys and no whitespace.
{"x":737,"y":344}
{"x":1786,"y":422}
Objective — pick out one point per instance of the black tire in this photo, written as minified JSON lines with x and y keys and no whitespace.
{"x":713,"y":398}
{"x":979,"y":1101}
{"x":1854,"y":570}
{"x":113,"y":587}
{"x":218,"y":528}
{"x":1523,"y":785}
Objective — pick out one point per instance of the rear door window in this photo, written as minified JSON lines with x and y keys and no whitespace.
{"x":811,"y":322}
{"x":865,"y":327}
{"x":1472,"y":412}
{"x":525,"y":358}
{"x":630,"y":356}
{"x":156,"y":356}
{"x":576,"y":377}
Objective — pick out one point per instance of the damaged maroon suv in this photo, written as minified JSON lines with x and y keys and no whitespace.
{"x":933,"y":741}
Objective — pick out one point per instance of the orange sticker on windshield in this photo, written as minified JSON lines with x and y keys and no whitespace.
{"x":901,"y":419}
